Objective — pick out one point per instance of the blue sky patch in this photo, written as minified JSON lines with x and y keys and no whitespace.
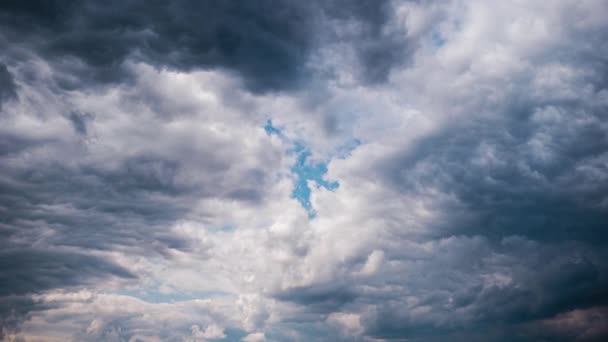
{"x":270,"y":129}
{"x":304,"y":170}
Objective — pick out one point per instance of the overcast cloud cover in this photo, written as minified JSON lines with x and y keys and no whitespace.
{"x":304,"y":170}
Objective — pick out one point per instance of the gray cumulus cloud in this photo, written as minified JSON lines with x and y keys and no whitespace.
{"x":268,"y":43}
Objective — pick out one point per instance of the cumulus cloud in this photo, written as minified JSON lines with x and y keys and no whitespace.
{"x":268,"y":43}
{"x":454,"y":155}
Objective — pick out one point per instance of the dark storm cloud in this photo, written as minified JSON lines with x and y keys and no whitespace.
{"x":117,"y":206}
{"x":14,"y":310}
{"x":518,"y":191}
{"x":577,"y":325}
{"x":30,"y":270}
{"x":549,"y":282}
{"x":266,"y":42}
{"x":263,"y":42}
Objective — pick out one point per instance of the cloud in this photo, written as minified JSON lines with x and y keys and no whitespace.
{"x":581,"y":325}
{"x":268,"y":43}
{"x":76,"y":210}
{"x":97,"y":317}
{"x":264,"y":43}
{"x":7,"y":85}
{"x":79,"y":121}
{"x":212,"y":331}
{"x":255,"y":337}
{"x":35,"y":271}
{"x":162,"y":162}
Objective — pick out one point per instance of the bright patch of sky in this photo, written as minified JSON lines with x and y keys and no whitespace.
{"x":305,"y":171}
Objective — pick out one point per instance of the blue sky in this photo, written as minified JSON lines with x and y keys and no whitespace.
{"x":304,"y":171}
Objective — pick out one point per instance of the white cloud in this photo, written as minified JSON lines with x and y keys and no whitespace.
{"x":255,"y":337}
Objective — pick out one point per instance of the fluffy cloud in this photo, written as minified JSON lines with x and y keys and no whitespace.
{"x":454,"y":156}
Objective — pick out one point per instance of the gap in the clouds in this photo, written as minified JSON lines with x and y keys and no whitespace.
{"x":305,"y":171}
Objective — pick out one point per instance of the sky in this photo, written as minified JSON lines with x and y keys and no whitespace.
{"x":341,"y":170}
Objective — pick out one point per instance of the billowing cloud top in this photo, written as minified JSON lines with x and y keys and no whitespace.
{"x":304,"y":170}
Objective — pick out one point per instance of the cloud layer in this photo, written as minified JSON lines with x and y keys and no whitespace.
{"x":318,"y":171}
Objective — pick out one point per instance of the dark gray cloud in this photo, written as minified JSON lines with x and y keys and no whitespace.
{"x":30,"y":271}
{"x":267,"y":42}
{"x":14,"y":310}
{"x":321,"y":297}
{"x":518,"y":190}
{"x":7,"y":85}
{"x":530,"y":163}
